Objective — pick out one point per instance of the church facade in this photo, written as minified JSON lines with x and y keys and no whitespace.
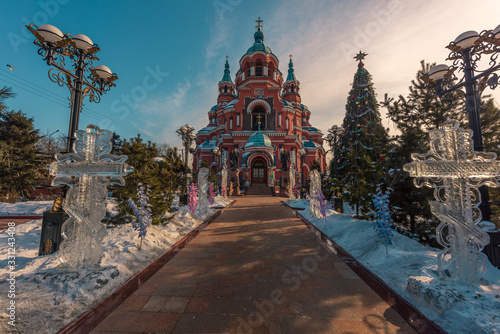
{"x":259,"y":123}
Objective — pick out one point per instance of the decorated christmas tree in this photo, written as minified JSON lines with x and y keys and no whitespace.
{"x":362,"y":148}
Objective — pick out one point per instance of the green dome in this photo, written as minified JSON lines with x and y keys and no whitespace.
{"x":259,"y":43}
{"x":259,"y":47}
{"x":258,"y":139}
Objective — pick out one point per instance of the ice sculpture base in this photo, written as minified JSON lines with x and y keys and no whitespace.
{"x":435,"y":294}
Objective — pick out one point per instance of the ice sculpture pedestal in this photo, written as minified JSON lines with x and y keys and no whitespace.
{"x":455,"y":171}
{"x":87,"y":172}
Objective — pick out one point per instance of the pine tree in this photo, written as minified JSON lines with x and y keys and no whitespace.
{"x":414,"y":116}
{"x":20,"y":166}
{"x":362,"y":148}
{"x":117,"y":144}
{"x":146,"y":171}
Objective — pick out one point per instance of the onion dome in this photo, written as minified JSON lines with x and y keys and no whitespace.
{"x":258,"y":139}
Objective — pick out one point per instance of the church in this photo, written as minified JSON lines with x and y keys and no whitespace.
{"x":259,"y":124}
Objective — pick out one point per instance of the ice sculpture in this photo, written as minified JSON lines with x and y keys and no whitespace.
{"x":315,"y":187}
{"x":455,"y":172}
{"x":224,"y":179}
{"x":291,"y":185}
{"x":202,"y":192}
{"x":87,"y":172}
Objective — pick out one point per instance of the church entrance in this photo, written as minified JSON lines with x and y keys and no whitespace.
{"x":259,"y":172}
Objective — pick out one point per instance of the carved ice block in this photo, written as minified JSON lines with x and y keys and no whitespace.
{"x":87,"y":172}
{"x":455,"y":172}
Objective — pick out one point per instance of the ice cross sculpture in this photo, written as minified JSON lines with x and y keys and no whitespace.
{"x":87,"y":172}
{"x":455,"y":172}
{"x":202,"y":192}
{"x":224,"y":177}
{"x":315,"y":187}
{"x":291,"y":184}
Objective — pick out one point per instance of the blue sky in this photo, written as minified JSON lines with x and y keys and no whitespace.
{"x":170,"y":55}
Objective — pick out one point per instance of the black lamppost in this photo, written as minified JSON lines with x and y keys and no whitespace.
{"x":466,"y":51}
{"x":54,"y":46}
{"x":333,"y":140}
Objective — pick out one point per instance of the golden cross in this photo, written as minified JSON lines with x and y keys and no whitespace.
{"x":259,"y":117}
{"x":227,"y":57}
{"x":259,"y":21}
{"x":290,"y":56}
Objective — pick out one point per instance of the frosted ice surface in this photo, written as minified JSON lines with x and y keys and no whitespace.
{"x":87,"y":172}
{"x":455,"y":171}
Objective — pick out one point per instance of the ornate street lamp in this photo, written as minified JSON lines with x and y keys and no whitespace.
{"x":83,"y":79}
{"x":187,"y":137}
{"x":333,"y":140}
{"x":466,"y":51}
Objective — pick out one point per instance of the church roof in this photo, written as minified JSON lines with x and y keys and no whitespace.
{"x":291,"y":75}
{"x":258,"y":139}
{"x":227,"y":75}
{"x":259,"y":43}
{"x":231,"y":104}
{"x":214,"y":108}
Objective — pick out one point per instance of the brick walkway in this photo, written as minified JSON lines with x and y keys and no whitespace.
{"x":255,"y":269}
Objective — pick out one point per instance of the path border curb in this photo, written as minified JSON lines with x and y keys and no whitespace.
{"x":88,"y":320}
{"x":416,"y":319}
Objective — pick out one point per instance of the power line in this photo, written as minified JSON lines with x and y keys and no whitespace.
{"x":41,"y":92}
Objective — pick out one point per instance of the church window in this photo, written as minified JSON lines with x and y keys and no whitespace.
{"x":293,"y":89}
{"x":247,"y":70}
{"x":279,"y":120}
{"x":286,"y":123}
{"x":225,"y":89}
{"x":230,"y":123}
{"x":238,"y":120}
{"x":258,"y":68}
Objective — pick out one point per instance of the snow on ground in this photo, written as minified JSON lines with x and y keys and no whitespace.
{"x":48,"y":299}
{"x":478,"y":312}
{"x":29,"y":208}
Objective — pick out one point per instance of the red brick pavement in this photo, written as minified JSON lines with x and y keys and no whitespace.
{"x":255,"y":269}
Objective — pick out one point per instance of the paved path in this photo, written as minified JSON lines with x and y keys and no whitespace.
{"x":255,"y":269}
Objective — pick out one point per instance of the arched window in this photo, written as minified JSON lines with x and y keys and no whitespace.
{"x":230,"y":123}
{"x":279,"y":120}
{"x":286,"y":123}
{"x":225,"y":89}
{"x":270,"y":71}
{"x":293,"y":88}
{"x":238,"y":120}
{"x":247,"y":70}
{"x":258,"y":113}
{"x":258,"y":68}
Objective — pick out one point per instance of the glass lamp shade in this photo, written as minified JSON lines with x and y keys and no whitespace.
{"x":103,"y":71}
{"x":82,"y":42}
{"x":438,"y":72}
{"x":496,"y":32}
{"x":50,"y":33}
{"x":192,"y":136}
{"x":329,"y":137}
{"x":183,"y":129}
{"x":467,"y":39}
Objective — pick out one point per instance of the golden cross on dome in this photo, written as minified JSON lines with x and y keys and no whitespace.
{"x":259,"y":117}
{"x":259,"y":21}
{"x":290,"y":56}
{"x":360,"y":56}
{"x":227,"y":57}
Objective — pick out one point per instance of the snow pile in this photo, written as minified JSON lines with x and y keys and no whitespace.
{"x":47,"y":299}
{"x":478,"y":309}
{"x":30,"y":208}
